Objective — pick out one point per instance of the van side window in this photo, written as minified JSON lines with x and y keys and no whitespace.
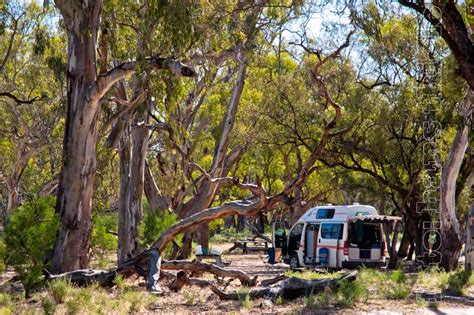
{"x":296,"y":232}
{"x":331,"y":231}
{"x":325,"y":214}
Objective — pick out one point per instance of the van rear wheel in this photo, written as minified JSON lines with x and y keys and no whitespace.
{"x":294,"y":262}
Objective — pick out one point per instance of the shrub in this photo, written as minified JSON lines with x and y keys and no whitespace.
{"x":398,"y":276}
{"x":5,"y":299}
{"x":101,"y":239}
{"x":135,"y":299}
{"x":59,"y":289}
{"x":48,"y":306}
{"x":457,"y":281}
{"x":399,"y":292}
{"x":189,"y":297}
{"x":350,"y":292}
{"x":310,"y":302}
{"x":29,"y":235}
{"x":153,"y":225}
{"x":119,"y":281}
{"x":247,"y":302}
{"x":3,"y":253}
{"x":73,"y":306}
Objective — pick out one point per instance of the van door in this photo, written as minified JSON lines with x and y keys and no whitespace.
{"x":311,"y":243}
{"x":365,"y":241}
{"x":330,"y":235}
{"x":294,"y":245}
{"x":279,"y":237}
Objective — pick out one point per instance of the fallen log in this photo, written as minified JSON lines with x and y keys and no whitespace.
{"x":268,"y":282}
{"x":106,"y":278}
{"x":200,"y":267}
{"x":289,"y":288}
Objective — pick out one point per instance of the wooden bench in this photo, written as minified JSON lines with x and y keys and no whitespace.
{"x":215,"y":257}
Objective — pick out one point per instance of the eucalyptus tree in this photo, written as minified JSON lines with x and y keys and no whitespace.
{"x":85,"y":90}
{"x":409,"y":57}
{"x":447,"y":18}
{"x":30,"y":98}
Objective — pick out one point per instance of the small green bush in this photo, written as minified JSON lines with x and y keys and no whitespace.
{"x":5,"y":299}
{"x":73,"y":306}
{"x":457,"y":281}
{"x":29,"y":235}
{"x":119,"y":281}
{"x":398,"y":291}
{"x":247,"y":302}
{"x":350,"y":292}
{"x":59,"y":290}
{"x":280,"y":300}
{"x":3,"y":254}
{"x":189,"y":297}
{"x":398,"y":276}
{"x":48,"y":306}
{"x":153,"y":225}
{"x":102,"y":240}
{"x":310,"y":302}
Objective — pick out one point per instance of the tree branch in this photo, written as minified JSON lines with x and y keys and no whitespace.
{"x":105,"y":81}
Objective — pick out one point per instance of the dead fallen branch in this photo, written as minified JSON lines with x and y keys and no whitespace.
{"x":200,"y":267}
{"x":268,"y":282}
{"x":288,"y":288}
{"x":140,"y":266}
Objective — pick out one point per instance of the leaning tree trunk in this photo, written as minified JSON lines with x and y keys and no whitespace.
{"x":452,"y":239}
{"x":76,"y":179}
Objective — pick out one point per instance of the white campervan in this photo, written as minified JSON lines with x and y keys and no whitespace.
{"x":334,"y":237}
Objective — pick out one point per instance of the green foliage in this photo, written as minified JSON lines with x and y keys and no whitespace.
{"x":247,"y":302}
{"x":59,"y":290}
{"x":73,"y":306}
{"x":458,"y":281}
{"x":229,"y":235}
{"x":321,"y":300}
{"x":398,"y":276}
{"x":102,"y":240}
{"x":48,"y":306}
{"x":29,"y":235}
{"x":3,"y":253}
{"x":280,"y":300}
{"x":135,"y":300}
{"x":153,"y":225}
{"x":5,"y":299}
{"x":190,"y":297}
{"x":311,"y":275}
{"x":397,"y":292}
{"x":119,"y":281}
{"x":350,"y":292}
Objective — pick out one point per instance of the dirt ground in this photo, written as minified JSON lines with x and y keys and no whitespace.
{"x":197,"y":300}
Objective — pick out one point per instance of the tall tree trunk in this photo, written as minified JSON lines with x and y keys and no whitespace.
{"x":76,"y":179}
{"x":132,"y":170}
{"x":452,"y":239}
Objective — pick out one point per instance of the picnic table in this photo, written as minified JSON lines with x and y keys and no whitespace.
{"x":216,"y":257}
{"x":250,"y":246}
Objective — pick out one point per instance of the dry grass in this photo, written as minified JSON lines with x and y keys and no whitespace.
{"x":386,"y":291}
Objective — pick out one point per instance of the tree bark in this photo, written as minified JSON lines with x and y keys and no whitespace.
{"x":76,"y":179}
{"x":84,"y":91}
{"x":452,"y":238}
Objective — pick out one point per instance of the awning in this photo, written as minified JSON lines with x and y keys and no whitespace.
{"x":374,"y":218}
